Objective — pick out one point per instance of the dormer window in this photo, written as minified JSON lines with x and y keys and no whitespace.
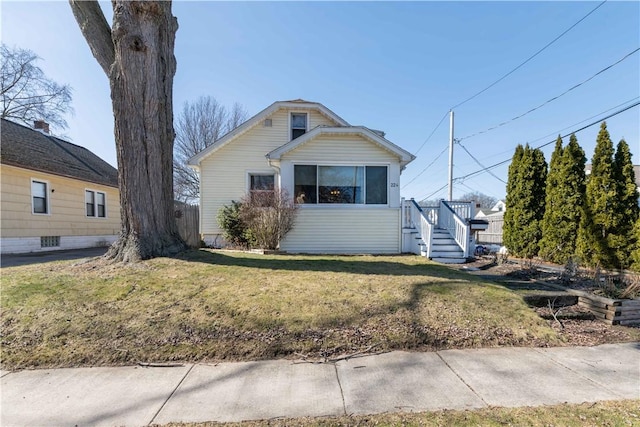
{"x":298,"y":124}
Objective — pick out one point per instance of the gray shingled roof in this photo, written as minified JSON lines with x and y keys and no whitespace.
{"x":31,"y":149}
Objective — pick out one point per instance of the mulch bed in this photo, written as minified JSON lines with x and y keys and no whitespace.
{"x":575,"y":324}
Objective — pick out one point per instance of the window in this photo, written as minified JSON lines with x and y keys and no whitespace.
{"x":39,"y":197}
{"x":298,"y":124}
{"x":341,"y":184}
{"x":261,"y":188}
{"x":305,"y":183}
{"x":49,"y":241}
{"x":96,"y":203}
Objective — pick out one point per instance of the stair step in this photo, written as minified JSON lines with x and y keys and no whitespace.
{"x":450,"y":247}
{"x":449,"y":260}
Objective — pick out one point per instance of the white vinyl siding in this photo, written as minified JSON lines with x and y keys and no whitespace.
{"x":224,"y":173}
{"x":344,"y":230}
{"x":343,"y":148}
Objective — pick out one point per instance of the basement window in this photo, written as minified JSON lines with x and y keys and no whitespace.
{"x":49,"y":241}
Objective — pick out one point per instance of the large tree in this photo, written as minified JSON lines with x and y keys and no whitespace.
{"x":137,"y":56}
{"x":565,"y":198}
{"x":525,"y":190}
{"x":599,"y":220}
{"x":27,"y":93}
{"x":622,"y":238}
{"x":199,"y":125}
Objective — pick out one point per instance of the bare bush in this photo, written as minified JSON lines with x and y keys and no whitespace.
{"x":268,"y":217}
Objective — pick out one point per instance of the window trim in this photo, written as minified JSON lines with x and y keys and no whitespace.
{"x":291,"y":113}
{"x":95,"y":203}
{"x":250,"y":173}
{"x":47,"y":198}
{"x":365,"y":205}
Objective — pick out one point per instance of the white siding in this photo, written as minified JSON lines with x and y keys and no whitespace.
{"x":344,"y":230}
{"x":224,"y":173}
{"x":348,"y":150}
{"x":344,"y":148}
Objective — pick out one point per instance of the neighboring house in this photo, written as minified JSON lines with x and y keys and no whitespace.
{"x":54,"y":194}
{"x":345,"y":179}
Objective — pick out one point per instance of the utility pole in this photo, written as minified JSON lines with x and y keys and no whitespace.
{"x":450,"y":155}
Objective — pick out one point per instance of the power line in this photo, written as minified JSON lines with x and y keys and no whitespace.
{"x":480,"y":164}
{"x":552,"y":99}
{"x":428,"y":166}
{"x":573,"y":125}
{"x":528,"y":59}
{"x":462,"y":178}
{"x":435,"y":192}
{"x":432,"y":132}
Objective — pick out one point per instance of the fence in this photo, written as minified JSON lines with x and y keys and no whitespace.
{"x":187,"y":220}
{"x":493,"y":233}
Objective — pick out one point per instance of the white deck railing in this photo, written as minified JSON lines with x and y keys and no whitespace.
{"x":450,"y":220}
{"x":422,"y":220}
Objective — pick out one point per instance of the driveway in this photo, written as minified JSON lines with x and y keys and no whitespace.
{"x":14,"y":260}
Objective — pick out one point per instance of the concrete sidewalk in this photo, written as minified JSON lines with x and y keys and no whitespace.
{"x":397,"y":381}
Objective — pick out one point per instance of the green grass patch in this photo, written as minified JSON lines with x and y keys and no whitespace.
{"x":209,"y":306}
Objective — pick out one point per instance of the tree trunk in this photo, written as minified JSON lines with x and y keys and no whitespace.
{"x":141,"y":79}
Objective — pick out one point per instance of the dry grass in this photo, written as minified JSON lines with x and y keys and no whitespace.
{"x":612,"y":413}
{"x":209,"y":306}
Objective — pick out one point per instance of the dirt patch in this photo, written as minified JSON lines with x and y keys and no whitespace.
{"x":574,"y":324}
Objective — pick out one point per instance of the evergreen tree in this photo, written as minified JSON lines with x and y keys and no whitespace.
{"x":635,"y":255}
{"x":552,"y":242}
{"x":622,"y":239}
{"x":524,"y":212}
{"x":565,"y":199}
{"x":599,"y":219}
{"x":509,"y":229}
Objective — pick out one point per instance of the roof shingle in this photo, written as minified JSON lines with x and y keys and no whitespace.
{"x":31,"y":149}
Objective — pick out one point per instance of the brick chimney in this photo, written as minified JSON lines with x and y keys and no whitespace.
{"x":41,"y":125}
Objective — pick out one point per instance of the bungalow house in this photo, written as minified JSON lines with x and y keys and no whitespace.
{"x":345,"y":180}
{"x":54,"y":194}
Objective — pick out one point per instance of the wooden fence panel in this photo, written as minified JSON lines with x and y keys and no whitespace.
{"x":187,"y":219}
{"x":493,"y":233}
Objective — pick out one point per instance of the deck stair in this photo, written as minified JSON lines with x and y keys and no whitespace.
{"x":444,"y":248}
{"x":441,"y":233}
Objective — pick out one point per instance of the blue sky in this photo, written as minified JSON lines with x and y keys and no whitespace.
{"x":393,"y":66}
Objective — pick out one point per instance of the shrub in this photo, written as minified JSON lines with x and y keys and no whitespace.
{"x":233,"y":228}
{"x":268,"y":217}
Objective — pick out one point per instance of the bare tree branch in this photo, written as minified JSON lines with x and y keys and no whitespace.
{"x":27,"y":94}
{"x":95,"y":30}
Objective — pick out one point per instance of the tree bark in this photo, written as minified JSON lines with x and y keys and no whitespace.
{"x":141,"y":80}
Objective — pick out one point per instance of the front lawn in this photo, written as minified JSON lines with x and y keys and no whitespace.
{"x":611,"y":413}
{"x":211,"y":306}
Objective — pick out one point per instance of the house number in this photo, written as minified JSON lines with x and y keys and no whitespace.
{"x":394,"y":184}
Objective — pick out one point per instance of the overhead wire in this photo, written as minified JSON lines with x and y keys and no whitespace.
{"x":552,"y":99}
{"x":432,"y":132}
{"x":530,"y":58}
{"x":480,"y":164}
{"x":427,"y":167}
{"x":573,"y":125}
{"x":462,"y":178}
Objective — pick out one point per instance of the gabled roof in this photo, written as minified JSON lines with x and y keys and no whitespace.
{"x":31,"y":149}
{"x":296,"y":104}
{"x":373,"y":136}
